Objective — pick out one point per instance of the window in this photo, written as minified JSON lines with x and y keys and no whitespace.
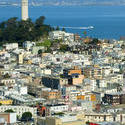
{"x":87,"y":98}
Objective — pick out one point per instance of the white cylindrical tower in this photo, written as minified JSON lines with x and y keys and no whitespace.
{"x":25,"y":9}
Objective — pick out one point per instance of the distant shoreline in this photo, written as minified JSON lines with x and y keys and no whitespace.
{"x":62,"y":4}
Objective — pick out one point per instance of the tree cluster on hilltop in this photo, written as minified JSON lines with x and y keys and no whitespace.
{"x":14,"y":30}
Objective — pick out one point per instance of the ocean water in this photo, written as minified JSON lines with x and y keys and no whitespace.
{"x":108,"y":21}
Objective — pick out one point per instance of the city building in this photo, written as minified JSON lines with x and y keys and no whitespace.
{"x":20,"y":58}
{"x":19,"y":110}
{"x":61,"y":35}
{"x":25,"y":10}
{"x":51,"y":95}
{"x":114,"y":98}
{"x":56,"y":108}
{"x":69,"y":119}
{"x":10,"y":46}
{"x":6,"y":102}
{"x":8,"y":118}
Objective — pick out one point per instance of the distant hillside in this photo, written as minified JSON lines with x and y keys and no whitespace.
{"x":66,"y":2}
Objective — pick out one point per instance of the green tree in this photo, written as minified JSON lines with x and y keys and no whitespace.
{"x":85,"y":34}
{"x":41,"y":28}
{"x":123,"y":46}
{"x":95,"y":41}
{"x":9,"y":111}
{"x":63,"y":29}
{"x":40,"y":21}
{"x":48,"y":50}
{"x":87,"y":123}
{"x":57,"y":41}
{"x":59,"y":113}
{"x":27,"y":116}
{"x":40,"y":51}
{"x":25,"y":31}
{"x":1,"y":36}
{"x":6,"y":76}
{"x":47,"y":43}
{"x":57,"y":28}
{"x":14,"y":30}
{"x":63,"y":47}
{"x":10,"y":28}
{"x":2,"y":25}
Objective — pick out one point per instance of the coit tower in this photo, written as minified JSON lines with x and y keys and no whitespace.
{"x":25,"y":9}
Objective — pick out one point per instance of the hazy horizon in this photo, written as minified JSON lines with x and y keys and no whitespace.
{"x":65,"y":2}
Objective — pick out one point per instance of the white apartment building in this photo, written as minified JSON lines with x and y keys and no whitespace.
{"x":91,"y":82}
{"x":56,"y":108}
{"x":10,"y":46}
{"x":28,"y":45}
{"x":17,"y":90}
{"x":56,"y":35}
{"x":98,"y":117}
{"x":8,"y":82}
{"x":19,"y":110}
{"x":65,"y":90}
{"x":61,"y":35}
{"x":105,"y":117}
{"x":3,"y":72}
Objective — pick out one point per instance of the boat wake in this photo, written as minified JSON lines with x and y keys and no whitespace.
{"x":79,"y":28}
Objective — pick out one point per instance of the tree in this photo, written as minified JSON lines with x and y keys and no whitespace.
{"x":6,"y":76}
{"x":2,"y":25}
{"x":63,"y":29}
{"x":95,"y":41}
{"x":48,"y":50}
{"x":46,"y":43}
{"x":14,"y":30}
{"x":40,"y":51}
{"x":26,"y":116}
{"x":9,"y":111}
{"x":10,"y":28}
{"x":85,"y":33}
{"x":40,"y":21}
{"x":63,"y":47}
{"x":59,"y":113}
{"x":123,"y":46}
{"x":57,"y":28}
{"x":87,"y":123}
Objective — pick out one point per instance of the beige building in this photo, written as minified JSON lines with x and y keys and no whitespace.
{"x":81,"y":119}
{"x":59,"y":121}
{"x":78,"y":80}
{"x":19,"y":110}
{"x":8,"y":82}
{"x":25,"y":9}
{"x":97,"y":117}
{"x":20,"y":58}
{"x":93,"y":72}
{"x":53,"y":94}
